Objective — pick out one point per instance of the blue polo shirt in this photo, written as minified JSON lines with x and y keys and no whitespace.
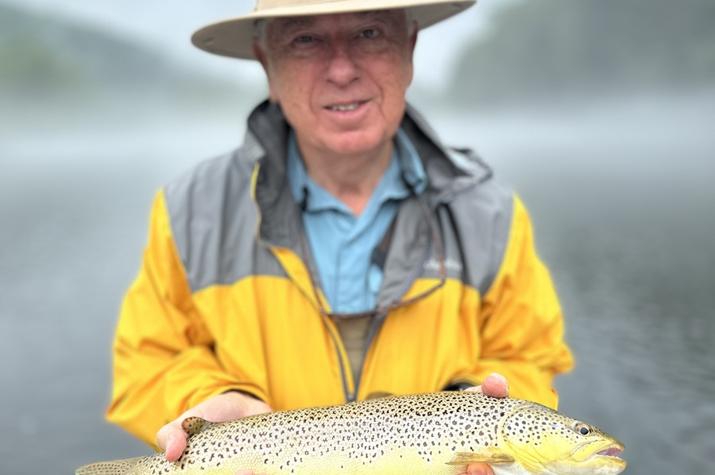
{"x":341,"y":242}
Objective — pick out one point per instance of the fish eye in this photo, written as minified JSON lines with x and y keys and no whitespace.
{"x":583,"y":429}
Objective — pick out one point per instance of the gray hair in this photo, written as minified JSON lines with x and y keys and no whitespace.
{"x":260,"y":27}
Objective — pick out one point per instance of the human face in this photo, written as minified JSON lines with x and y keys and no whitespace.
{"x":340,"y":79}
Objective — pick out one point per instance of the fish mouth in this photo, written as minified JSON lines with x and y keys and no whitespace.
{"x":605,"y":450}
{"x":602,"y":458}
{"x":613,"y":452}
{"x":610,"y":456}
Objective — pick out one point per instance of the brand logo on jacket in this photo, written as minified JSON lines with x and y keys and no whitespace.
{"x":450,"y":265}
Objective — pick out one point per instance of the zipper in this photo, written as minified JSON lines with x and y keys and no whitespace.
{"x":343,"y":361}
{"x":379,"y":321}
{"x":340,"y":353}
{"x":380,"y":318}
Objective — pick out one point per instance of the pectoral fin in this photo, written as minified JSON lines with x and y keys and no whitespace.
{"x":194,"y":425}
{"x":489,"y":456}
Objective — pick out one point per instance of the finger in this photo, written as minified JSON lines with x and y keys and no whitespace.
{"x":495,"y":385}
{"x":479,"y":469}
{"x":175,"y":444}
{"x":162,"y":436}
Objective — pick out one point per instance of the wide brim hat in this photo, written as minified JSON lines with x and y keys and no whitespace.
{"x":234,"y":37}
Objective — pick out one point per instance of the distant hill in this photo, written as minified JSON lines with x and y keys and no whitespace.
{"x":562,"y":49}
{"x":44,"y":57}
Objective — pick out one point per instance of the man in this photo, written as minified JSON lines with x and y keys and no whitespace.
{"x":341,"y":253}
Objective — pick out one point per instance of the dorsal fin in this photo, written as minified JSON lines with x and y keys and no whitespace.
{"x":115,"y":467}
{"x":194,"y":425}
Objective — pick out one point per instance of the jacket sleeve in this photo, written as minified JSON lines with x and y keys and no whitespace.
{"x":521,"y":325}
{"x":163,"y":360}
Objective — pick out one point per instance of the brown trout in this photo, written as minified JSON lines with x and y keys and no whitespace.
{"x":438,"y":433}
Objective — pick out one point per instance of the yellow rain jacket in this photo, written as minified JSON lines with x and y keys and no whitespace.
{"x":224,"y":301}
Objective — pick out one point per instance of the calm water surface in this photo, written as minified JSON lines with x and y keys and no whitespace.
{"x":622,"y":201}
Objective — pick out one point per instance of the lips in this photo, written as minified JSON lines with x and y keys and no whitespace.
{"x":345,"y":106}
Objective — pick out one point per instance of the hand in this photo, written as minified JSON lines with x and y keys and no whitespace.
{"x":224,"y":407}
{"x":494,"y":385}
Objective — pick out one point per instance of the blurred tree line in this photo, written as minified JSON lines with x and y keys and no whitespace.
{"x":546,"y":50}
{"x":41,"y":54}
{"x":47,"y":60}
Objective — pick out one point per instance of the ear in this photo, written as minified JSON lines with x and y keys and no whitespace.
{"x":413,"y":39}
{"x":411,"y":45}
{"x":260,"y":55}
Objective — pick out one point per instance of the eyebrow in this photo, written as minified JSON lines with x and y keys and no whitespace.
{"x":287,"y":23}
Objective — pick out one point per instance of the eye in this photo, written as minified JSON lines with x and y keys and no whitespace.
{"x":583,"y":429}
{"x":304,"y":40}
{"x":370,"y":33}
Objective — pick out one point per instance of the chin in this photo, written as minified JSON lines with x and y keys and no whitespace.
{"x":358,"y":142}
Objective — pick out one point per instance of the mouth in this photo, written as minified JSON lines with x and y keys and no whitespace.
{"x":608,"y":452}
{"x":345,"y":106}
{"x":614,"y":452}
{"x":611,"y":457}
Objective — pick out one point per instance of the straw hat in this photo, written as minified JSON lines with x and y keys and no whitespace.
{"x":234,"y":37}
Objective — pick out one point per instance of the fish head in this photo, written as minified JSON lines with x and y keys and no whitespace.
{"x":542,"y":440}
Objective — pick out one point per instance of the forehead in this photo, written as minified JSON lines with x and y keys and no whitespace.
{"x":280,"y":25}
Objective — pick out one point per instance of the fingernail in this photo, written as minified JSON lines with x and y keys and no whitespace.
{"x":500,"y":378}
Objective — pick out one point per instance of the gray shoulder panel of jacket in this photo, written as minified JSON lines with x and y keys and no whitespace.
{"x":214,"y":221}
{"x":477,"y":227}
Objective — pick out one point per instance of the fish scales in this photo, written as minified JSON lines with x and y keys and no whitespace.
{"x":437,"y":433}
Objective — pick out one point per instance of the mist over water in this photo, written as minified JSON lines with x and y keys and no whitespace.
{"x":622,"y":200}
{"x":619,"y":183}
{"x":621,"y":197}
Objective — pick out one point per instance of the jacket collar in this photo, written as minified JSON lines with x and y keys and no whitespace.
{"x":449,"y":171}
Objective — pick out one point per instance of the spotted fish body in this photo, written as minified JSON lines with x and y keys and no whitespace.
{"x":438,"y":433}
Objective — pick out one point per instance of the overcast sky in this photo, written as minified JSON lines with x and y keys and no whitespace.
{"x":169,"y":24}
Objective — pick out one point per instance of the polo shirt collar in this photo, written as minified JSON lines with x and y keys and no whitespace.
{"x":404,"y":173}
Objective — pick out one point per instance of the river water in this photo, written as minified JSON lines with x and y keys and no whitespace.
{"x":622,"y":199}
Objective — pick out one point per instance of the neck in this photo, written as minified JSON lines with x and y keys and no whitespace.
{"x":351,"y":178}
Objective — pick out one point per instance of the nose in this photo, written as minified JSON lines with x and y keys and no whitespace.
{"x":342,"y":69}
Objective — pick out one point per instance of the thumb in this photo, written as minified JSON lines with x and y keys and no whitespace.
{"x":173,"y":440}
{"x":495,"y":385}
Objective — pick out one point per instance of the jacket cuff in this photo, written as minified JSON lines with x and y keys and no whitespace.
{"x":460,"y":385}
{"x":245,"y":393}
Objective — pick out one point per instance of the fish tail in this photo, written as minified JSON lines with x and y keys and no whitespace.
{"x":115,"y":467}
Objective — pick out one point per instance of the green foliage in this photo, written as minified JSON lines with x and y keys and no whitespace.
{"x":47,"y":57}
{"x":551,"y":49}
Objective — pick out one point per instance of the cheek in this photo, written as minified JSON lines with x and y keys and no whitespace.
{"x":289,"y":84}
{"x":394,"y":83}
{"x":292,"y":89}
{"x":394,"y":75}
